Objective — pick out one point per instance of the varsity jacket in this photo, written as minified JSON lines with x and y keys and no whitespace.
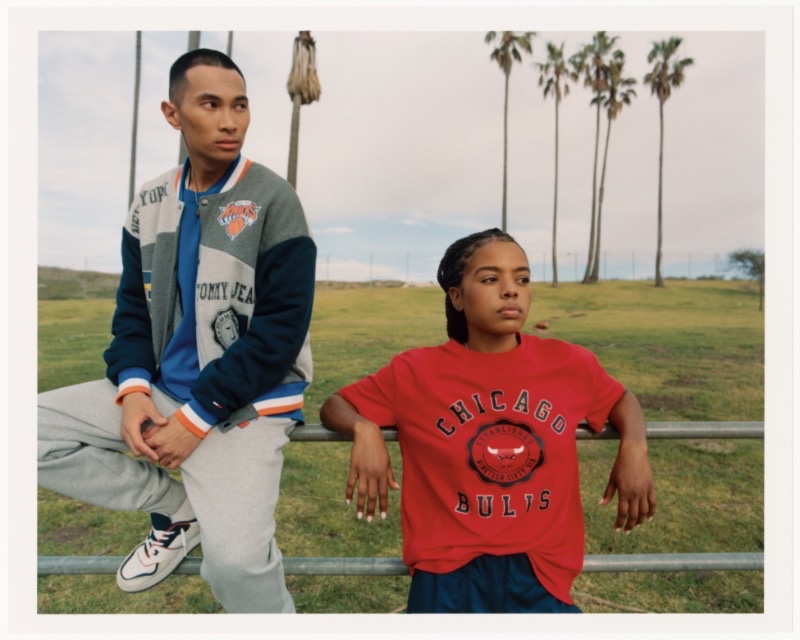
{"x":253,"y":297}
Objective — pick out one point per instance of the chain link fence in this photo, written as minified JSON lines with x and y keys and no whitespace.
{"x":416,"y":268}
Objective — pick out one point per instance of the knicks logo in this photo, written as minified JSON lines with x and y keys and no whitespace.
{"x":236,"y":216}
{"x":505,"y":453}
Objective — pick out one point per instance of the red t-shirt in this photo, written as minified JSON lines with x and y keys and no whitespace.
{"x":490,"y":461}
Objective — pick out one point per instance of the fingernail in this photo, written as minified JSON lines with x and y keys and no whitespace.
{"x":369,"y":518}
{"x":359,"y":515}
{"x":347,"y":501}
{"x":618,"y":529}
{"x":383,"y":515}
{"x":628,"y":532}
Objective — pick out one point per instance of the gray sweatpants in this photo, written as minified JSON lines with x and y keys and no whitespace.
{"x":231,"y":479}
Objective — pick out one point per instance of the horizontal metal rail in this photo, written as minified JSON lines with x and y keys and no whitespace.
{"x":95,"y":565}
{"x":655,"y":431}
{"x":749,"y":561}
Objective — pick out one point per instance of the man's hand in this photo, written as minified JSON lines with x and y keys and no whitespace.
{"x":172,"y":443}
{"x":139,"y":416}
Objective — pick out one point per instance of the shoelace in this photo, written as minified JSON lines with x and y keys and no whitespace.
{"x":160,"y":537}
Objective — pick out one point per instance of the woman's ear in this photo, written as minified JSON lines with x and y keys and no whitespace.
{"x":455,"y":298}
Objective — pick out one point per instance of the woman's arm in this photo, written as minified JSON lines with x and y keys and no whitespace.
{"x":631,"y":476}
{"x":370,"y":465}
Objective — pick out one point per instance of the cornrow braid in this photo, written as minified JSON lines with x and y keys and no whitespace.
{"x":451,"y":273}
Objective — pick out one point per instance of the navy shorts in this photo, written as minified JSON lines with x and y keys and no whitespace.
{"x":488,"y":584}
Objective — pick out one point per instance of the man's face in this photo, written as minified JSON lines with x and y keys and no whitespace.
{"x":213,"y":114}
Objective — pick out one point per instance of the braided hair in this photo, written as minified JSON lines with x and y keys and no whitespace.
{"x":451,"y":272}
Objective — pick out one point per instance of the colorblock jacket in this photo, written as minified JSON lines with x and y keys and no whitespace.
{"x":253,"y":297}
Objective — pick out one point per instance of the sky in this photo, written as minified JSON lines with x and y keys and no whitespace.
{"x":403,"y":154}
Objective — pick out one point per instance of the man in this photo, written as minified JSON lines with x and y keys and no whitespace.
{"x":209,"y":359}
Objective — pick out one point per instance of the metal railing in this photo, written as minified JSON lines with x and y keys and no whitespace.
{"x":747,"y":561}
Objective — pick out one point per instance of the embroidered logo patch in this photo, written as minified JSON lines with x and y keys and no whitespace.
{"x":227,"y":327}
{"x":237,"y":216}
{"x":505,"y":453}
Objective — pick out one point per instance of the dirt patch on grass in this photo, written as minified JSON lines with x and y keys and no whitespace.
{"x":68,"y":534}
{"x":712,"y":446}
{"x":668,"y":403}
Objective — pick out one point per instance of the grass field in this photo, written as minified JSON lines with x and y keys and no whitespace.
{"x":692,"y":351}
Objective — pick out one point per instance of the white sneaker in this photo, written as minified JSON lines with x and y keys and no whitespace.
{"x":159,"y":555}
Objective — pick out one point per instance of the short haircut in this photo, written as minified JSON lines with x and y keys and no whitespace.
{"x":194,"y":58}
{"x":451,"y":274}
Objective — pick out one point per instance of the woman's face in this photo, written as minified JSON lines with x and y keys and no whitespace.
{"x":494,"y":295}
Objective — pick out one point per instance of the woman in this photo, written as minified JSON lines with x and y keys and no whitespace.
{"x":491,"y":509}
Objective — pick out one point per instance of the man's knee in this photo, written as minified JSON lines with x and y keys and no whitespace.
{"x":243,"y":559}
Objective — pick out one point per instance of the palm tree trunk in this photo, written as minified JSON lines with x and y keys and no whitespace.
{"x":555,"y":202}
{"x":136,"y":83}
{"x":504,"y":224}
{"x":596,"y":267}
{"x":294,"y":141}
{"x":659,"y":280}
{"x":590,"y":259}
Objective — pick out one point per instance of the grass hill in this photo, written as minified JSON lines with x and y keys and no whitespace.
{"x":56,"y":283}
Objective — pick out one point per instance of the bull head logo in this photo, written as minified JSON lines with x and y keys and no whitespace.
{"x":505,"y":453}
{"x":505,"y":456}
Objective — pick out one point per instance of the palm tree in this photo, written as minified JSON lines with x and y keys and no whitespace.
{"x":506,"y":52}
{"x":136,"y":82}
{"x":662,"y":79}
{"x":591,"y":62}
{"x":619,"y":94}
{"x":304,"y":88}
{"x":552,"y":73}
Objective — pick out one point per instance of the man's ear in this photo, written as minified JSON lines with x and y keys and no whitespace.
{"x":170,"y":112}
{"x":455,"y":298}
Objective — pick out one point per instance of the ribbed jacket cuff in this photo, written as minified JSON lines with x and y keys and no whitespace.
{"x":190,"y":417}
{"x":131,"y":381}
